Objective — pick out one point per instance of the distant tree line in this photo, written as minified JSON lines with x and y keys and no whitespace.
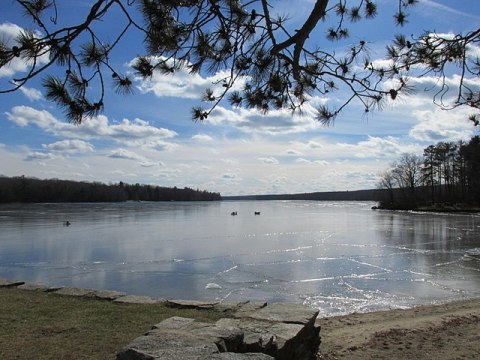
{"x":448,"y":174}
{"x":25,"y":189}
{"x":356,"y":195}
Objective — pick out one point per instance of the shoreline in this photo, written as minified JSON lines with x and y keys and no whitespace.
{"x":215,"y":304}
{"x":450,"y":330}
{"x":453,"y":209}
{"x":445,"y":331}
{"x":120,"y":296}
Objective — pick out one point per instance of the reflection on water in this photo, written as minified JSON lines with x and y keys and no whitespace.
{"x":340,"y":257}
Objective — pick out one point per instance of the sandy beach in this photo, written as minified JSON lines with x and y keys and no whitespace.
{"x":445,"y":331}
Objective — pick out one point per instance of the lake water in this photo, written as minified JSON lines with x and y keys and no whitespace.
{"x":340,"y":257}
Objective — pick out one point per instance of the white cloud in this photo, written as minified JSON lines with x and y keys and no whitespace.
{"x":473,"y":52}
{"x":314,"y":162}
{"x":229,"y":161}
{"x":160,"y":145}
{"x":134,"y":132}
{"x":449,"y":10}
{"x":269,"y":160}
{"x":183,"y":84}
{"x":39,"y":156}
{"x":314,"y":145}
{"x":426,"y":83}
{"x":275,"y":122}
{"x":169,"y":174}
{"x":180,"y":84}
{"x":230,"y":176}
{"x":31,"y":93}
{"x":382,"y":63}
{"x":437,"y":125}
{"x":242,"y":167}
{"x":149,"y":164}
{"x":377,"y":147}
{"x":8,"y":33}
{"x":125,"y":130}
{"x":125,"y":154}
{"x":307,"y":145}
{"x":25,"y":115}
{"x":293,"y":152}
{"x":70,"y":146}
{"x":202,"y":138}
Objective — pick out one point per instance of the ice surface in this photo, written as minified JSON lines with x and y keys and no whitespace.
{"x":339,"y":257}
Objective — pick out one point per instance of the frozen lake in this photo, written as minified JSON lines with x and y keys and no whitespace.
{"x":340,"y":257}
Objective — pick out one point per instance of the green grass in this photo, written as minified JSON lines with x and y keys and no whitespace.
{"x":39,"y":325}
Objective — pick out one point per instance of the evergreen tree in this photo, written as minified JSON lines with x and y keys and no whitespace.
{"x":245,"y":40}
{"x":450,"y":173}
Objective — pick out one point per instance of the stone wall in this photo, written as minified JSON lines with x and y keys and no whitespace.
{"x":250,"y":330}
{"x":278,"y":331}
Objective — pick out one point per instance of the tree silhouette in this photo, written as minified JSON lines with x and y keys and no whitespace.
{"x":449,"y":173}
{"x":277,"y":65}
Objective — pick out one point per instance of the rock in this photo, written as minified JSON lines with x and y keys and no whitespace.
{"x":39,"y":287}
{"x":33,"y":287}
{"x":226,"y":338}
{"x":240,"y":309}
{"x":286,"y":313}
{"x":168,"y":345}
{"x":284,"y":332}
{"x":191,"y":304}
{"x":133,"y":299}
{"x":228,"y":322}
{"x":8,"y":283}
{"x":108,"y":294}
{"x":174,"y":322}
{"x":226,"y":307}
{"x":248,"y":307}
{"x":238,"y":356}
{"x":72,"y":291}
{"x":279,"y":340}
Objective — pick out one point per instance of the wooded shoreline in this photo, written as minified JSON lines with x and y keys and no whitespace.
{"x":32,"y":190}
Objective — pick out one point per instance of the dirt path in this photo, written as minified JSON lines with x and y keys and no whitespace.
{"x":447,"y":331}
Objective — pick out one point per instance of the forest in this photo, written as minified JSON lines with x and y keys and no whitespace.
{"x":447,"y":176}
{"x":27,"y":189}
{"x":356,"y":195}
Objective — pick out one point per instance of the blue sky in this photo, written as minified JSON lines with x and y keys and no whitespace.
{"x":150,"y":138}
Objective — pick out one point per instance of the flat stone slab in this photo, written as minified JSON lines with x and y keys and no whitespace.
{"x":10,"y":283}
{"x":192,"y":304}
{"x":237,"y":309}
{"x":286,"y":313}
{"x":248,"y":307}
{"x":286,"y":332}
{"x":108,"y":294}
{"x":174,"y":322}
{"x":35,"y":287}
{"x":72,"y":291}
{"x":239,"y":356}
{"x":168,"y":345}
{"x":133,"y":299}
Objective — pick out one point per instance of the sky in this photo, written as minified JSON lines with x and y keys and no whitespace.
{"x":149,"y":137}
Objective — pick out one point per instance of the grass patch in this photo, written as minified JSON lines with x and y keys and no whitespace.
{"x":39,"y":325}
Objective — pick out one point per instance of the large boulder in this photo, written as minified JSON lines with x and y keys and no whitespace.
{"x":278,"y":331}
